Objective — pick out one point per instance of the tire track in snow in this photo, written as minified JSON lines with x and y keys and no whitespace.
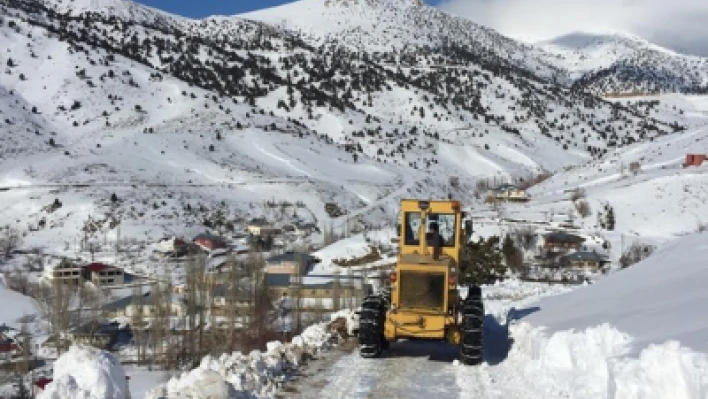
{"x":407,"y":370}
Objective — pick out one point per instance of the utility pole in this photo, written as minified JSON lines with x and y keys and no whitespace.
{"x":117,"y":242}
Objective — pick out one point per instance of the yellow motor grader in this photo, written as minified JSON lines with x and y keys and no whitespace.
{"x":424,"y":302}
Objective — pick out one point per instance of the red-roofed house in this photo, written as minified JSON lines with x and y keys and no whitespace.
{"x":102,"y":274}
{"x":209,"y":242}
{"x":41,"y":384}
{"x":8,"y":348}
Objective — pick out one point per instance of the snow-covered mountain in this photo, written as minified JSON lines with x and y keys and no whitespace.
{"x":407,"y":30}
{"x":187,"y":119}
{"x":620,"y":63}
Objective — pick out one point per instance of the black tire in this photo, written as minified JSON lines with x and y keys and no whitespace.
{"x":472,"y":346}
{"x":371,"y":327}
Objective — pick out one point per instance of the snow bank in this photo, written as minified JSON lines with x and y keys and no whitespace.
{"x":594,"y":363}
{"x":355,"y":246}
{"x":257,"y":374}
{"x":662,"y":298}
{"x":84,"y":372}
{"x":637,"y":333}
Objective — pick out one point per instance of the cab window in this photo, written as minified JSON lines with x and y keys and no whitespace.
{"x":446,"y":226}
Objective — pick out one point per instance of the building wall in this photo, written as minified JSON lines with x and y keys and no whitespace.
{"x":282,"y":268}
{"x":582,"y":263}
{"x":253,"y":229}
{"x":72,"y":276}
{"x":560,"y":246}
{"x":108,"y":277}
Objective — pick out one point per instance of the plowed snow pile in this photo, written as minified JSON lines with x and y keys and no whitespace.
{"x":257,"y":374}
{"x":640,"y":333}
{"x":87,"y":373}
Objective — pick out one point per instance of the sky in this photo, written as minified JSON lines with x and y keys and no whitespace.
{"x":676,"y":24}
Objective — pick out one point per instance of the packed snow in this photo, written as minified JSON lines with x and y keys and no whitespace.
{"x":257,"y":374}
{"x":88,"y":373}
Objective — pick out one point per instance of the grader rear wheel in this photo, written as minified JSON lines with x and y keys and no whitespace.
{"x":472,"y":347}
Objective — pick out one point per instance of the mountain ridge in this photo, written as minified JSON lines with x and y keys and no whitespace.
{"x":228,"y":116}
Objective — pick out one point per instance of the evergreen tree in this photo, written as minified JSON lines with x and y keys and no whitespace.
{"x":611,"y":219}
{"x":513,"y":257}
{"x":482,"y":262}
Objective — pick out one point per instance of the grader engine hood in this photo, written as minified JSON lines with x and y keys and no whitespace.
{"x":422,"y":290}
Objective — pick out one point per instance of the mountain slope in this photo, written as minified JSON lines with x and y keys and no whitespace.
{"x":185,"y":120}
{"x":620,"y":63}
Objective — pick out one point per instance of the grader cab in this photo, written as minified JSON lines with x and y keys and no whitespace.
{"x":424,"y":302}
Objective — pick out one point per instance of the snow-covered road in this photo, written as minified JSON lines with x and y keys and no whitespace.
{"x":422,"y":369}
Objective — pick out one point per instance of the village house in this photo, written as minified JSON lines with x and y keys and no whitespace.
{"x":583,"y":259}
{"x":559,"y":242}
{"x":255,"y":225}
{"x":172,"y":246}
{"x":9,"y":348}
{"x":695,"y":160}
{"x":277,"y":283}
{"x":87,"y":334}
{"x":222,"y":298}
{"x":101,"y":274}
{"x":142,"y":305}
{"x":305,"y":229}
{"x":41,"y":384}
{"x":209,"y":242}
{"x":300,"y":229}
{"x":100,"y":335}
{"x":67,"y":272}
{"x":313,"y":295}
{"x":508,"y":192}
{"x":290,"y":263}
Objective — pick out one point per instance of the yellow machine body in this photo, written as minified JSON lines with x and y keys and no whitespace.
{"x":424,"y":296}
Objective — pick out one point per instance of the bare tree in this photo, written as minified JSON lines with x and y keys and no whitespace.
{"x":25,"y":365}
{"x":336,"y":293}
{"x":197,"y":301}
{"x":54,"y":303}
{"x":137,"y":322}
{"x":160,"y":321}
{"x":637,"y":252}
{"x":10,"y":240}
{"x":577,"y":194}
{"x":18,"y":280}
{"x":232,"y":296}
{"x":525,"y":237}
{"x":583,"y":208}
